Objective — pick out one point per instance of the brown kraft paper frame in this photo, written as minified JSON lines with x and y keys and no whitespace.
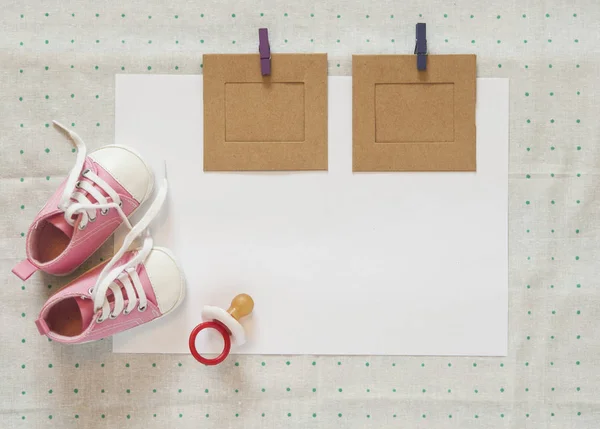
{"x":260,"y":123}
{"x":410,"y":120}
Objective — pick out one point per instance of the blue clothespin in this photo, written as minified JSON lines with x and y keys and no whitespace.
{"x":421,"y":46}
{"x":265,"y":51}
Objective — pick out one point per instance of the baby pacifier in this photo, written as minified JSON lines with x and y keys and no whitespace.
{"x":225,"y":323}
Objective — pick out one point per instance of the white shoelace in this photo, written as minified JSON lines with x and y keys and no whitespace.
{"x":73,"y":202}
{"x":126,"y":274}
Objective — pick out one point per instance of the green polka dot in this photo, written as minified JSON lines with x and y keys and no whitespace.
{"x":473,"y":41}
{"x":289,"y":414}
{"x":547,"y":15}
{"x":288,"y":363}
{"x":233,"y":15}
{"x":340,"y":390}
{"x":149,"y":67}
{"x":50,"y":392}
{"x":445,"y":15}
{"x":339,"y":414}
{"x":526,"y":94}
{"x":75,"y":390}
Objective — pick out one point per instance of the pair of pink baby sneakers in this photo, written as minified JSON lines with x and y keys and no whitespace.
{"x":136,"y":286}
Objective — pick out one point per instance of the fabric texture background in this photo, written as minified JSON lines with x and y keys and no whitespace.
{"x":58,"y":60}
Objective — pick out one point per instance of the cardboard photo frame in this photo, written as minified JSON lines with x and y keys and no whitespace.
{"x":405,"y":119}
{"x":261,"y":123}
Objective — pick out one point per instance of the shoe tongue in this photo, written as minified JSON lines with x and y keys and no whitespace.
{"x":58,"y":220}
{"x":86,"y":308}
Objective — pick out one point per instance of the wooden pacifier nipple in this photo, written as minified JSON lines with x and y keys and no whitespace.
{"x":226,"y":323}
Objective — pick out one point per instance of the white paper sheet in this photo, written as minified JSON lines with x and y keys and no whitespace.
{"x":337,"y":263}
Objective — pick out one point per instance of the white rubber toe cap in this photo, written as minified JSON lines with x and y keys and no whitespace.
{"x":166,"y":278}
{"x":128,"y":168}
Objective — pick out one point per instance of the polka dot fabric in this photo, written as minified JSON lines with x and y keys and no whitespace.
{"x":58,"y":61}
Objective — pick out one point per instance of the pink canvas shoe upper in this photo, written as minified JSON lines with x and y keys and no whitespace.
{"x":101,"y":191}
{"x":131,"y":289}
{"x":69,"y":315}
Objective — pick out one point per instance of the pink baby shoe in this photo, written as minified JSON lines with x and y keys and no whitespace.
{"x":133,"y":288}
{"x":101,"y":191}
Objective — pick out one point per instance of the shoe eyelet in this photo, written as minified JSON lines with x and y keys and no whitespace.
{"x":112,"y":316}
{"x":125,"y":312}
{"x":91,"y":291}
{"x":120,"y":203}
{"x":81,"y":227}
{"x":90,"y":220}
{"x":78,"y":184}
{"x":86,"y":171}
{"x":104,"y":212}
{"x":100,"y":320}
{"x":142,"y":309}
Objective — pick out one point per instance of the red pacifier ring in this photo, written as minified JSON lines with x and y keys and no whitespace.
{"x":218,"y":326}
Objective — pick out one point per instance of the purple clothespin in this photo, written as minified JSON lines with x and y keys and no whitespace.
{"x":421,"y":47}
{"x":265,"y":51}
